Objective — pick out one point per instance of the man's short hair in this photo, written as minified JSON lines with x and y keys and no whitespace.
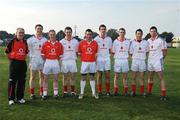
{"x":102,"y":25}
{"x":68,"y":28}
{"x":153,"y":27}
{"x":139,"y":30}
{"x":38,"y":25}
{"x":88,"y":30}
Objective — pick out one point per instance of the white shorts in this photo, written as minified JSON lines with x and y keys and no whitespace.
{"x":68,"y":66}
{"x":103,"y":64}
{"x":88,"y":67}
{"x":138,"y":65}
{"x":155,"y":65}
{"x":51,"y":67}
{"x":121,"y":65}
{"x":36,"y":63}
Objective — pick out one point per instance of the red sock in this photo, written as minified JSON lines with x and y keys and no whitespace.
{"x":72,"y":88}
{"x":142,"y":89}
{"x":115,"y":88}
{"x":41,"y":90}
{"x":150,"y":87}
{"x":107,"y":87}
{"x":163,"y":92}
{"x":31,"y":90}
{"x":134,"y":88}
{"x":65,"y":88}
{"x":125,"y":89}
{"x":100,"y":88}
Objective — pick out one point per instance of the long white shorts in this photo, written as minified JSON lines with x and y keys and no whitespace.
{"x":36,"y":63}
{"x":51,"y":67}
{"x":155,"y":65}
{"x":103,"y":64}
{"x":121,"y":65}
{"x":88,"y":67}
{"x":68,"y":66}
{"x":138,"y":65}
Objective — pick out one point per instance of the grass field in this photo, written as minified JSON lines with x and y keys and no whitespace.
{"x":106,"y":108}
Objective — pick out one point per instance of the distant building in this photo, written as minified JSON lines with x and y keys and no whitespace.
{"x":176,"y":42}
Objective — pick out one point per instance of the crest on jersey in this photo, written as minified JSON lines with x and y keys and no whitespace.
{"x":69,"y":47}
{"x":152,"y":46}
{"x":103,"y":44}
{"x":121,"y":47}
{"x":53,"y":50}
{"x":140,"y":48}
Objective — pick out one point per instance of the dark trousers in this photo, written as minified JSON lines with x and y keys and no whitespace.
{"x":17,"y":75}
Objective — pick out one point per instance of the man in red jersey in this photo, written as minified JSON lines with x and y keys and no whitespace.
{"x":87,"y":50}
{"x":17,"y":50}
{"x":51,"y":52}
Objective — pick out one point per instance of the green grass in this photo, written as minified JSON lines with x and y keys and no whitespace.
{"x":106,"y":108}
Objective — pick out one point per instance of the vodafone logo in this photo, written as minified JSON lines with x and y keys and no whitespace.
{"x":21,"y":50}
{"x":89,"y":49}
{"x":53,"y":50}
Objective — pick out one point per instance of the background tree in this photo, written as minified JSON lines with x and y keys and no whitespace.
{"x":112,"y":33}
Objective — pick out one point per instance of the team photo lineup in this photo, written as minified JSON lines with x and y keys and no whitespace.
{"x":50,"y":57}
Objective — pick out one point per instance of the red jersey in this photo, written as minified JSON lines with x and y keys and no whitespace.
{"x":17,"y":50}
{"x":88,"y":51}
{"x":52,"y":50}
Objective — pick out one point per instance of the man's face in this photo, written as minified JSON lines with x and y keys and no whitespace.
{"x":153,"y":32}
{"x":88,"y":36}
{"x":20,"y":34}
{"x":39,"y":30}
{"x":121,"y":33}
{"x":139,"y":35}
{"x":52,"y":35}
{"x":102,"y":30}
{"x":68,"y":33}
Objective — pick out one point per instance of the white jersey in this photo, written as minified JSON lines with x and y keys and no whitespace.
{"x":70,"y":49}
{"x":139,"y":49}
{"x":121,"y":49}
{"x":104,"y":45}
{"x":35,"y":45}
{"x":155,"y":48}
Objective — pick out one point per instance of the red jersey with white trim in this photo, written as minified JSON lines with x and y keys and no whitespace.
{"x":17,"y":50}
{"x":52,"y":50}
{"x":88,"y":50}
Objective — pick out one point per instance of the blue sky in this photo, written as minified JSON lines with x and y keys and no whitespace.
{"x":57,"y":14}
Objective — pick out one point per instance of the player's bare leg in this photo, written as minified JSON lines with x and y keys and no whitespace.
{"x":125,"y":82}
{"x":55,"y":85}
{"x":150,"y":81}
{"x":99,"y":82}
{"x":107,"y":75}
{"x":142,"y":83}
{"x":65,"y":79}
{"x":134,"y":75}
{"x":72,"y":83}
{"x":116,"y":78}
{"x":45,"y":87}
{"x":31,"y":83}
{"x":41,"y":77}
{"x":163,"y":88}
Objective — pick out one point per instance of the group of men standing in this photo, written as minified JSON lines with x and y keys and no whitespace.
{"x":52,"y":57}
